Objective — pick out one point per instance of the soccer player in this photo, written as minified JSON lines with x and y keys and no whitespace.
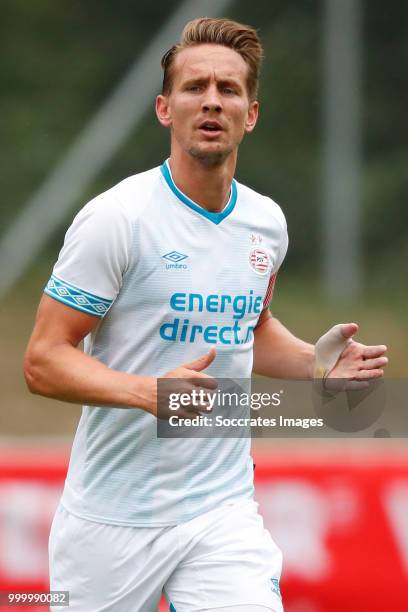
{"x":170,"y":274}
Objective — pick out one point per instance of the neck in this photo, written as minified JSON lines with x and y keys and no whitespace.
{"x":208,"y":186}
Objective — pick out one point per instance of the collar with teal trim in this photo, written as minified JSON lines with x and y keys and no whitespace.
{"x":215,"y":217}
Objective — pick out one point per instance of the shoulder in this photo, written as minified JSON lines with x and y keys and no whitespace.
{"x":125,"y":201}
{"x":134,"y":193}
{"x":262,"y":204}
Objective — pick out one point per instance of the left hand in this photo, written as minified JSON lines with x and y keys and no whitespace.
{"x":355,"y":361}
{"x":359,"y":361}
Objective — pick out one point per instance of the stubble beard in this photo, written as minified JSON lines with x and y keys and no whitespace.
{"x":210,"y":159}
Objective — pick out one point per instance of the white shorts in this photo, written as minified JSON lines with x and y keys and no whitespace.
{"x":222,"y":558}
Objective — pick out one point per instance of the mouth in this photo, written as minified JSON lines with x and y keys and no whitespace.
{"x":211,"y":129}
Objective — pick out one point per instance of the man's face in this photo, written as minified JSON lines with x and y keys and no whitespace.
{"x":208,"y":109}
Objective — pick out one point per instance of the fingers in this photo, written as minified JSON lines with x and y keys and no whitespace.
{"x":195,"y":402}
{"x":372,"y":364}
{"x":183,"y":399}
{"x":195,"y":370}
{"x":371,"y":352}
{"x":369,"y":374}
{"x":348,"y":329}
{"x":199,"y":379}
{"x":356,"y":385}
{"x":337,"y":385}
{"x":190,"y":412}
{"x":202,"y":362}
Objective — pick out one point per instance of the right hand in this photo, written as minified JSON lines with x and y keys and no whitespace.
{"x":186,"y":377}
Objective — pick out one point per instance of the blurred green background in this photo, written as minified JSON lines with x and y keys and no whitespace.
{"x":60,"y":60}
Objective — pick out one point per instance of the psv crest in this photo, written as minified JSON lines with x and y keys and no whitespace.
{"x":259,"y":260}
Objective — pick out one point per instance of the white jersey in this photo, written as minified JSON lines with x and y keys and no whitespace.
{"x":168,"y":280}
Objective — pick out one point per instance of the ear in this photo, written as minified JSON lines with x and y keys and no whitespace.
{"x":252,"y":116}
{"x":163,"y":110}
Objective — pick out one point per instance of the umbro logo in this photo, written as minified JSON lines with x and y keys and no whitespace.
{"x":175,"y":256}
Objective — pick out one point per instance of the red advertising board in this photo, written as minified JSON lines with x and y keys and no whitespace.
{"x":342,"y":524}
{"x":343,"y":528}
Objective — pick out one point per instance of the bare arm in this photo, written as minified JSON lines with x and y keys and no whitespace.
{"x":278,"y":353}
{"x":55,"y":367}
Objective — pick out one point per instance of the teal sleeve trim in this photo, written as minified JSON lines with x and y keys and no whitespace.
{"x":211,"y":216}
{"x":77,"y":298}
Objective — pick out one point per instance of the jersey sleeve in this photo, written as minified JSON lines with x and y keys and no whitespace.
{"x":95,"y":255}
{"x":283,"y":248}
{"x":269,"y":292}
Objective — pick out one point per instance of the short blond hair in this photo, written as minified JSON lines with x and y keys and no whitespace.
{"x":219,"y":31}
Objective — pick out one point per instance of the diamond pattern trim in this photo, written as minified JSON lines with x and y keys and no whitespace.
{"x":77,"y":298}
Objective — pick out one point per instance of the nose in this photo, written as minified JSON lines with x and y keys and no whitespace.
{"x":212,"y":101}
